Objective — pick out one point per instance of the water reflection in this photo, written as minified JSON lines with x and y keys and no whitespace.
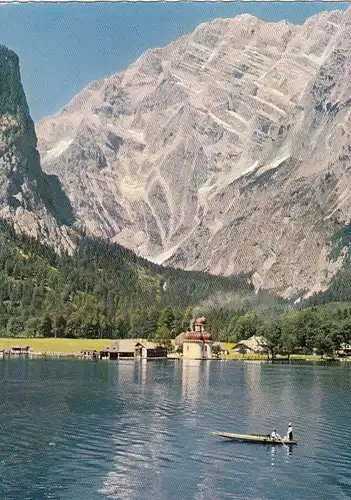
{"x":195,"y":380}
{"x":131,"y":430}
{"x":145,"y":444}
{"x":277,"y":398}
{"x":140,"y":373}
{"x":287,"y":452}
{"x":255,"y":396}
{"x":143,"y":372}
{"x":273,"y":454}
{"x":139,"y":436}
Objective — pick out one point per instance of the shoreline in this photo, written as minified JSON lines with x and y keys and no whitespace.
{"x":59,"y":348}
{"x":171,"y":357}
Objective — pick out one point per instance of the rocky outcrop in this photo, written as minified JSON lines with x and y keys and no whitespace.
{"x":31,"y":199}
{"x":226,"y":151}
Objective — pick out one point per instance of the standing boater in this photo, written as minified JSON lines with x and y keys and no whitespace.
{"x":290,"y":432}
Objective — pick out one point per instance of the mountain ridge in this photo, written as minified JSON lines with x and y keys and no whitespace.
{"x":31,"y":199}
{"x":205,"y":154}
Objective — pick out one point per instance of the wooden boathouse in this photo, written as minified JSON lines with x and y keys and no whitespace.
{"x":19,"y":351}
{"x":127,"y":348}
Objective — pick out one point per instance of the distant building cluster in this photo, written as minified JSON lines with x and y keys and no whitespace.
{"x":195,"y":343}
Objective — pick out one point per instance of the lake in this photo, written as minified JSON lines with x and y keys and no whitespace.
{"x":73,"y":429}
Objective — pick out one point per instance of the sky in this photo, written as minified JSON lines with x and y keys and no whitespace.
{"x":64,"y":47}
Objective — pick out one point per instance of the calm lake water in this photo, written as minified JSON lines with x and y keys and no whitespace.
{"x":135,"y":429}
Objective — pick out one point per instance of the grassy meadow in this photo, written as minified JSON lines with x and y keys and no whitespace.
{"x":55,"y":345}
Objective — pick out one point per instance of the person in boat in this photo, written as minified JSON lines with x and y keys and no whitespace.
{"x":290,"y":432}
{"x":275,"y":435}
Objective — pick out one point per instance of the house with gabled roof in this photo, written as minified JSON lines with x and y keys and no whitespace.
{"x":131,"y":348}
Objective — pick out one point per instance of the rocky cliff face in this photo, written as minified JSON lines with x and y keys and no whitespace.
{"x":227,"y":151}
{"x":32,"y":200}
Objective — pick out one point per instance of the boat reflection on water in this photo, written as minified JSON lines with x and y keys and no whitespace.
{"x":273,"y":453}
{"x":274,"y":449}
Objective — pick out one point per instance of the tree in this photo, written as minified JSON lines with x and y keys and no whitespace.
{"x":179,"y":349}
{"x":345,"y":330}
{"x":31,"y":327}
{"x":336,"y":339}
{"x":246,"y":326}
{"x":59,"y":326}
{"x":177,"y":323}
{"x":232,"y":332}
{"x":111,"y":302}
{"x":14,"y":327}
{"x":121,"y":327}
{"x":308,"y":322}
{"x":165,"y":321}
{"x":149,"y":326}
{"x":272,"y":331}
{"x":323,"y":343}
{"x":137,"y":324}
{"x":4,"y":318}
{"x":163,"y":336}
{"x":289,"y":335}
{"x":45,"y":326}
{"x":217,"y":350}
{"x":185,"y":325}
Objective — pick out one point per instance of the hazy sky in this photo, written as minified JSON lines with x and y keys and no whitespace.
{"x":63,"y":47}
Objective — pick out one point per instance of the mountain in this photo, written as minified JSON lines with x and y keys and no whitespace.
{"x":227,"y":151}
{"x":33,"y":200}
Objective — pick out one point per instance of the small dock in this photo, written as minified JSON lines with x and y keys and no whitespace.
{"x":16,"y":351}
{"x":89,"y":354}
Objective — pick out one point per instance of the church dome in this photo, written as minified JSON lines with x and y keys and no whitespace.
{"x":199,"y":336}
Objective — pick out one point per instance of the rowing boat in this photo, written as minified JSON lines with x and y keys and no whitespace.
{"x":254,"y":438}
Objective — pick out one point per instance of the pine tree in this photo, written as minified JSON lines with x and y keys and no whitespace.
{"x":187,"y":319}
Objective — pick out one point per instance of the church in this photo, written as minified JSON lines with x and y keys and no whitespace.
{"x":196,"y":342}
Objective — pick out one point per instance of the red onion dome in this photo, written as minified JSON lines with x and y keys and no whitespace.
{"x":197,"y":336}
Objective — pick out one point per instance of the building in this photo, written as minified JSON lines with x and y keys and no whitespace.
{"x":178,"y":341}
{"x":129,"y":348}
{"x":345,"y":350}
{"x":199,"y":325}
{"x":197,"y":343}
{"x":122,"y":348}
{"x":88,"y":353}
{"x":222,"y":347}
{"x":150,"y":350}
{"x":197,"y":346}
{"x":20,"y":350}
{"x":255,"y":345}
{"x":195,"y":326}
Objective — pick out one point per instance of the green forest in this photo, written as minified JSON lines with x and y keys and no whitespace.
{"x":289,"y":330}
{"x":105,"y":291}
{"x":102,"y":291}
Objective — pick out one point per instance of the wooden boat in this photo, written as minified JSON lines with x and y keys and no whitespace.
{"x":254,"y":438}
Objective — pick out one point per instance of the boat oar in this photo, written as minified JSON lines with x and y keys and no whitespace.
{"x":281,"y":439}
